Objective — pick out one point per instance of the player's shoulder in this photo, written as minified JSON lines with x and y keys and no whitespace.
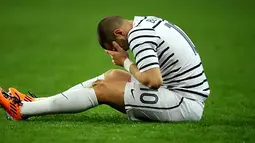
{"x":140,"y":30}
{"x":143,"y":24}
{"x":145,"y":21}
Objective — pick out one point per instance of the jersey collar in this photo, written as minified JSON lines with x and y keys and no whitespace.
{"x":137,"y":19}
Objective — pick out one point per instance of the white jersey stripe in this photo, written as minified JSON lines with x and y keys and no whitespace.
{"x":142,"y":20}
{"x":143,"y":50}
{"x":157,"y":24}
{"x":143,"y":58}
{"x":177,"y":75}
{"x":172,"y":64}
{"x":155,"y":64}
{"x":142,"y":29}
{"x":143,"y":36}
{"x":161,"y":54}
{"x":191,"y":91}
{"x":146,"y":42}
{"x":172,"y":71}
{"x":187,"y":78}
{"x":160,"y":44}
{"x":167,"y":59}
{"x":206,"y":89}
{"x":195,"y":85}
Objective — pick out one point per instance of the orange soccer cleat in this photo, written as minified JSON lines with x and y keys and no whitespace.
{"x":23,"y":97}
{"x":11,"y":105}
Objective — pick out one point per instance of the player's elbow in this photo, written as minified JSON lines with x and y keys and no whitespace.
{"x":155,"y":83}
{"x":151,"y":78}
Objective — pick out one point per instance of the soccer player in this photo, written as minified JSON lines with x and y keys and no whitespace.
{"x":166,"y":83}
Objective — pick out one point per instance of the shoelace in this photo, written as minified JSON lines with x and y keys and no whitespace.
{"x":31,"y":94}
{"x":14,"y":99}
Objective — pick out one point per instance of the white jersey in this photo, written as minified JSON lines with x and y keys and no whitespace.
{"x":158,"y":43}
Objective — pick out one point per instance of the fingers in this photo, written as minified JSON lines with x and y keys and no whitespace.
{"x":117,"y":46}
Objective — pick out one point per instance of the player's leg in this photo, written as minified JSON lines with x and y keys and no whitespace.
{"x":111,"y":75}
{"x":79,"y":99}
{"x":111,"y":93}
{"x":140,"y":102}
{"x":70,"y":101}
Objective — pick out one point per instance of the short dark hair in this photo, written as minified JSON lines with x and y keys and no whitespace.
{"x":106,"y":28}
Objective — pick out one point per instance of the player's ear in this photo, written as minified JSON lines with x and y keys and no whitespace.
{"x":119,"y":32}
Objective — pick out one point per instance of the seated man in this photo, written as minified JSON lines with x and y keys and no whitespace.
{"x":166,"y":83}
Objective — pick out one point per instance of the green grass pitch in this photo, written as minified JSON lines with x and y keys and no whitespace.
{"x":49,"y":45}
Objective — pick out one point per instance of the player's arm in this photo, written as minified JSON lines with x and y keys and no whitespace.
{"x":143,"y":42}
{"x":151,"y":78}
{"x":148,"y":72}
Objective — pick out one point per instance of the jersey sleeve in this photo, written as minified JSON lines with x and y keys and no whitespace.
{"x":143,"y":43}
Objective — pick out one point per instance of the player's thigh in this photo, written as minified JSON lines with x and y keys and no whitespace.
{"x":117,"y":75}
{"x":142,"y":103}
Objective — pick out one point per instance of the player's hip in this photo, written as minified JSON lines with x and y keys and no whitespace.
{"x":198,"y":94}
{"x":142,"y":103}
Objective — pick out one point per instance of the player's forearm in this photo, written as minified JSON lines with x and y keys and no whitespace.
{"x":144,"y":78}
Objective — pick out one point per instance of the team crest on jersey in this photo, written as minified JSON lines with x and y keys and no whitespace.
{"x":152,"y":19}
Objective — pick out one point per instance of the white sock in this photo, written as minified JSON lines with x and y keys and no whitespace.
{"x":85,"y":84}
{"x":70,"y":101}
{"x":88,"y":83}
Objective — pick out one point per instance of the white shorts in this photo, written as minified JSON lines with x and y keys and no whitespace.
{"x":144,"y":104}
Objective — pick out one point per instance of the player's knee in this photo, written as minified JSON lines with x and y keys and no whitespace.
{"x":111,"y":73}
{"x":100,"y":88}
{"x":117,"y":75}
